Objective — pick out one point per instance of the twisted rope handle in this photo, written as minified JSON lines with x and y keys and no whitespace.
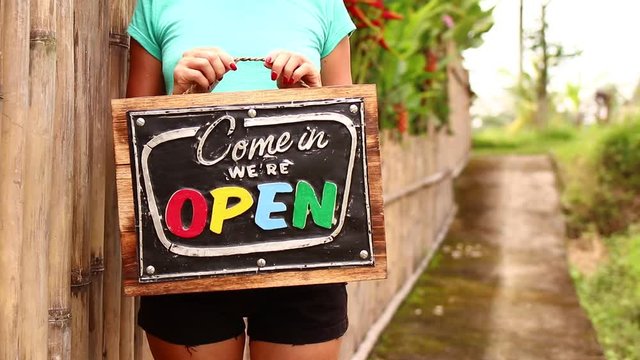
{"x":240,"y":59}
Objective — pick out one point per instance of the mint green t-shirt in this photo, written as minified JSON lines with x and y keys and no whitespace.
{"x":242,"y":28}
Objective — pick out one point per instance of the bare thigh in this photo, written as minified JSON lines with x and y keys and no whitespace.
{"x":329,"y":350}
{"x":224,"y":350}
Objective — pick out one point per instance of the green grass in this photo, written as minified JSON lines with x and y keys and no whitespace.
{"x":611,"y":296}
{"x":559,"y":139}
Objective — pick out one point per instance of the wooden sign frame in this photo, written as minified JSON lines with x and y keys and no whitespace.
{"x":290,"y":277}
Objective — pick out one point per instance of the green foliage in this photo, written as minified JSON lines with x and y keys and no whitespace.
{"x":533,"y":101}
{"x":471,"y":23}
{"x":601,"y":194}
{"x":619,"y":159}
{"x":526,"y":141}
{"x":411,"y":74}
{"x":572,"y":93}
{"x":618,"y":171}
{"x":600,"y":170}
{"x":612,"y":298}
{"x":600,"y":167}
{"x":402,"y":77}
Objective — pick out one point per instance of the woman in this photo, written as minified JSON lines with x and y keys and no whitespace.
{"x":181,"y":46}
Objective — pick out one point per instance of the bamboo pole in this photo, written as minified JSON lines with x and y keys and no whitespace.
{"x":15,"y":72}
{"x":118,"y":49}
{"x":139,"y":340}
{"x":127,"y":328}
{"x":128,"y":305}
{"x":1,"y":61}
{"x":80,"y":257}
{"x":99,"y":55}
{"x":61,"y":197}
{"x":33,"y":321}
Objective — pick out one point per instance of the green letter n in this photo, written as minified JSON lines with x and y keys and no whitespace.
{"x":306,"y":201}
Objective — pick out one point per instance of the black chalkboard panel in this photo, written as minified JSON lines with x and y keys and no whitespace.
{"x":250,"y":188}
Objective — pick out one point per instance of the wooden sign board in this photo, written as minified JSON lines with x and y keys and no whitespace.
{"x":247,"y":190}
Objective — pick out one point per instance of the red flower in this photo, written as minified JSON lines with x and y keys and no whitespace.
{"x":362,"y":19}
{"x":402,"y":118}
{"x":431,"y":58}
{"x":391,"y":15}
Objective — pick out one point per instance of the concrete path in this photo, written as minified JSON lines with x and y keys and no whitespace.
{"x":499,"y":287}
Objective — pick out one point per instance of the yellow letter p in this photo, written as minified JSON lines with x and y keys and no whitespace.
{"x":221,"y":212}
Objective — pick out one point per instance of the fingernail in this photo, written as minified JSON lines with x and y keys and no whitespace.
{"x":233,"y":66}
{"x":268,"y":59}
{"x":274,"y":76}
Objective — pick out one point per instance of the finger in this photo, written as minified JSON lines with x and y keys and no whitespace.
{"x":202,"y":52}
{"x":188,"y":76}
{"x":278,"y":65}
{"x":227,"y":61}
{"x":214,"y":55}
{"x":308,"y":73}
{"x":219,"y":68}
{"x":268,"y":60}
{"x":201,"y":64}
{"x":294,"y":62}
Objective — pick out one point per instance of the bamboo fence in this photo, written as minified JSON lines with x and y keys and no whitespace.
{"x":59,"y":341}
{"x":15,"y":109}
{"x":61,"y":61}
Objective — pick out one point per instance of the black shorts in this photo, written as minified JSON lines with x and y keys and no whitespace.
{"x":287,"y":315}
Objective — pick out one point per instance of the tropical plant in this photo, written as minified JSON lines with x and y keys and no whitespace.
{"x":401,"y":45}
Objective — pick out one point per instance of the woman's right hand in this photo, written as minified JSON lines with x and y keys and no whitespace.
{"x":201,"y":69}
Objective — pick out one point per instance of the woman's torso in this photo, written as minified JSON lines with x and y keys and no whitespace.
{"x":242,"y":28}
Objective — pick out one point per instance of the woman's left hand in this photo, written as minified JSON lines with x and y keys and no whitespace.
{"x":289,"y":68}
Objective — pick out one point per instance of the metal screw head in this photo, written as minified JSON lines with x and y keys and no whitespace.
{"x":141,"y":121}
{"x":150,"y":270}
{"x":364,"y":254}
{"x":252,"y":113}
{"x":262,"y":262}
{"x":353,"y":108}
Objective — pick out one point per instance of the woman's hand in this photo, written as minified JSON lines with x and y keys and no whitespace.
{"x":201,"y":69}
{"x":289,"y":68}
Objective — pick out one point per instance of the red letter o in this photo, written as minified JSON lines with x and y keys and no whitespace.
{"x":173,"y":214}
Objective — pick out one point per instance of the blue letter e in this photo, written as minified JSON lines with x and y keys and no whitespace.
{"x":267,"y":206}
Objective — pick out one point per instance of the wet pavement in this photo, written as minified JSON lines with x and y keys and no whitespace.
{"x":499,"y":287}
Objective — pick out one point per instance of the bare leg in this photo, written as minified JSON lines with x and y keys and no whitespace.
{"x":329,"y":350}
{"x":224,"y":350}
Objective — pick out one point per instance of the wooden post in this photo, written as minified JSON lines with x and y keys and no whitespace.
{"x":80,"y":270}
{"x":99,"y":100}
{"x":127,"y":307}
{"x":1,"y":66}
{"x":33,"y":320}
{"x":61,"y":197}
{"x":138,"y":339}
{"x":127,"y":328}
{"x":120,"y":12}
{"x":15,"y":100}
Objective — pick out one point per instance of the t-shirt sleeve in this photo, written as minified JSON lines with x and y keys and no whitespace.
{"x":339,"y":25}
{"x":143,"y":28}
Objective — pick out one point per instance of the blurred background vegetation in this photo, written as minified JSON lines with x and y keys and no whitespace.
{"x":402,"y":46}
{"x":599,"y":168}
{"x":597,"y":151}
